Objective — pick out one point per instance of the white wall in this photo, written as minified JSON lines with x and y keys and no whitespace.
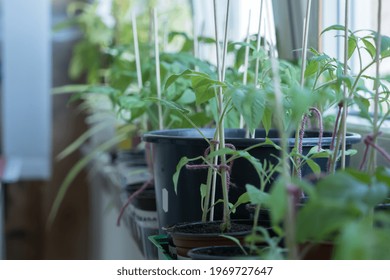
{"x":26,"y":79}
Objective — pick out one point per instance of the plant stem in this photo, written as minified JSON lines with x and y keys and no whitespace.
{"x":255,"y":224}
{"x":302,"y":82}
{"x":288,"y":223}
{"x":214,"y":180}
{"x":158,"y":76}
{"x":206,"y":205}
{"x":225,"y":187}
{"x":220,"y":123}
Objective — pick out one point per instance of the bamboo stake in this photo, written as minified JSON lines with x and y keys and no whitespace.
{"x":217,"y":138}
{"x":136,"y":51}
{"x":345,"y":89}
{"x":246,"y":62}
{"x":258,"y":42}
{"x":158,"y":76}
{"x":225,"y":45}
{"x":305,"y":39}
{"x":373,"y":156}
{"x":195,"y":31}
{"x":144,"y":120}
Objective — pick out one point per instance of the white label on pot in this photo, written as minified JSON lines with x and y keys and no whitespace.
{"x":165,"y":200}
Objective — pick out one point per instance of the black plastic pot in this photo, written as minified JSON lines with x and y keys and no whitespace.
{"x":186,"y":236}
{"x":169,"y":146}
{"x":143,"y":219}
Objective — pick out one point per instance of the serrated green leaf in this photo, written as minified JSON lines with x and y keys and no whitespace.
{"x":311,"y":68}
{"x":257,"y":196}
{"x":204,"y":87}
{"x":250,"y":103}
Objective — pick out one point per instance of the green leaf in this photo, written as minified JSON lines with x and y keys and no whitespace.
{"x":203,"y":194}
{"x":364,"y":107}
{"x":344,"y":189}
{"x":320,"y":220}
{"x":377,"y":193}
{"x":313,"y":166}
{"x":82,"y":139}
{"x":385,"y":46}
{"x":243,"y":199}
{"x":383,"y":175}
{"x":203,"y":85}
{"x":336,"y":27}
{"x":70,"y":89}
{"x":173,"y":78}
{"x":169,"y":104}
{"x":267,"y":119}
{"x":312,"y":68}
{"x":257,"y":196}
{"x":250,"y":103}
{"x":236,"y":241}
{"x":314,"y":153}
{"x":130,"y":102}
{"x":352,"y":44}
{"x":359,"y":240}
{"x":369,"y":47}
{"x":183,"y":161}
{"x":278,"y":201}
{"x":351,"y":152}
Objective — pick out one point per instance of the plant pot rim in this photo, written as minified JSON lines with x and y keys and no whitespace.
{"x":201,"y":253}
{"x":237,"y":137}
{"x":175,"y":229}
